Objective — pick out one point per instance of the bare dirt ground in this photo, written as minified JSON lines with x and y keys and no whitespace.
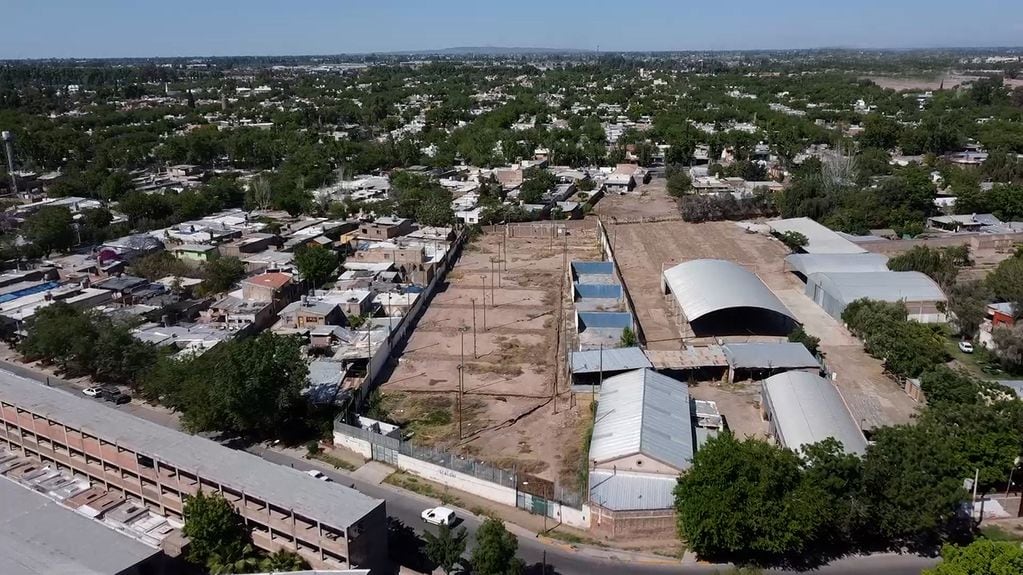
{"x":511,"y":365}
{"x":646,"y":201}
{"x":644,"y":250}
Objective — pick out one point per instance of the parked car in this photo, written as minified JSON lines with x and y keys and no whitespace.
{"x":115,"y":396}
{"x":317,"y":474}
{"x":92,"y":391}
{"x":439,"y":516}
{"x":965,"y":347}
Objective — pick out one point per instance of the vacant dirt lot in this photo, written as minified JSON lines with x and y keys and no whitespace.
{"x":644,"y":250}
{"x":646,"y":201}
{"x":512,"y":358}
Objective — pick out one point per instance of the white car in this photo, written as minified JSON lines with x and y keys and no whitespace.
{"x":92,"y":391}
{"x":317,"y":474}
{"x":439,"y":516}
{"x":965,"y":347}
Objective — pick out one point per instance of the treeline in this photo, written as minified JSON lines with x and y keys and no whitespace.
{"x":758,"y":504}
{"x":907,"y":348}
{"x":714,"y":207}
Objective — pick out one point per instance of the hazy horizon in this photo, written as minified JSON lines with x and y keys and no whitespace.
{"x":188,"y":28}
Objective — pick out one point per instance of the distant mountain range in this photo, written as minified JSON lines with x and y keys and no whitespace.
{"x":494,"y":51}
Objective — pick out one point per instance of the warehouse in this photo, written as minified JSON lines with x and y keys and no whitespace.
{"x":819,"y":239}
{"x":643,"y":439}
{"x":591,"y":367}
{"x":804,"y":408}
{"x":718,"y":297}
{"x":804,"y":265}
{"x":763,"y":359}
{"x":833,"y":291}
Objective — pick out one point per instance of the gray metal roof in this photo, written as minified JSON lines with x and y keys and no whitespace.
{"x":807,"y":264}
{"x":782,"y":355}
{"x":644,"y":412}
{"x":285,"y":487}
{"x":38,"y":536}
{"x":615,"y":359}
{"x":706,"y":286}
{"x":820,"y":239}
{"x":806,"y":409}
{"x":884,"y":286}
{"x":631,"y":491}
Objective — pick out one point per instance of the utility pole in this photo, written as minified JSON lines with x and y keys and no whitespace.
{"x":600,"y":374}
{"x":474,"y":353}
{"x":484,"y":278}
{"x":461,"y":379}
{"x":492,"y":301}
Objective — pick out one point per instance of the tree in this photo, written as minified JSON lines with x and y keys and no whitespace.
{"x":793,"y":240}
{"x":446,"y":547}
{"x":628,"y":338}
{"x":283,"y":561}
{"x":221,"y":274}
{"x":316,"y":264}
{"x":217,"y":533}
{"x":51,"y":228}
{"x":60,"y":334}
{"x":537,"y":182}
{"x":679,"y":184}
{"x":746,"y":502}
{"x":967,"y":301}
{"x":810,"y":342}
{"x":941,"y":264}
{"x":913,"y":488}
{"x":495,"y":550}
{"x":1006,"y":281}
{"x":1009,"y":347}
{"x":982,"y":557}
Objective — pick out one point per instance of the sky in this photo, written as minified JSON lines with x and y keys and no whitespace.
{"x":146,"y":28}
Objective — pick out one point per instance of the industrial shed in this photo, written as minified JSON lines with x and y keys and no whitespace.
{"x":804,"y":408}
{"x":833,"y":291}
{"x":643,"y":424}
{"x":806,"y":264}
{"x":642,"y":439}
{"x":763,"y":359}
{"x":820,"y":239}
{"x":719,"y":297}
{"x":589,"y":367}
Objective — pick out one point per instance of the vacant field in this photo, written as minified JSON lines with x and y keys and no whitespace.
{"x":644,"y":250}
{"x":646,"y":201}
{"x":512,"y":352}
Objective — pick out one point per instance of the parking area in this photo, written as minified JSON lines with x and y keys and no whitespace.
{"x":512,"y":350}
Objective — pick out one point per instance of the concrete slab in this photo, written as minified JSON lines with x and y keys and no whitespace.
{"x":373,"y":472}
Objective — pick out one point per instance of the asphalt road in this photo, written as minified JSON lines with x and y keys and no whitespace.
{"x":406,"y":507}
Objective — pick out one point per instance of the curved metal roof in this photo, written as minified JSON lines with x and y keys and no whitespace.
{"x":807,"y":264}
{"x":848,"y":287}
{"x":706,"y":286}
{"x":807,"y":408}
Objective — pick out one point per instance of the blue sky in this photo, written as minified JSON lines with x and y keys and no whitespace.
{"x":111,"y":28}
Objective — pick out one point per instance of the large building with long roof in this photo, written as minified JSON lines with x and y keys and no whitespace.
{"x":804,"y":408}
{"x":330,"y":525}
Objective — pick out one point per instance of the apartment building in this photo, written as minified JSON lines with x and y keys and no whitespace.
{"x":332,"y":526}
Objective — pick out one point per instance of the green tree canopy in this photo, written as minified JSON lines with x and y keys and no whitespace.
{"x":316,"y":264}
{"x":982,"y":557}
{"x":221,"y":274}
{"x":495,"y":550}
{"x":446,"y":547}
{"x":51,"y":228}
{"x":216,"y":531}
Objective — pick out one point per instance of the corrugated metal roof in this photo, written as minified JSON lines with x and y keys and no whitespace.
{"x":631,"y":491}
{"x":820,"y":239}
{"x":618,"y":359}
{"x":884,"y":286}
{"x":806,"y":409}
{"x":706,"y":286}
{"x":807,"y":264}
{"x":782,"y":355}
{"x":38,"y":536}
{"x":644,"y":412}
{"x":328,"y":502}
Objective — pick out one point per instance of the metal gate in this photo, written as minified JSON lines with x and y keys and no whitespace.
{"x":384,"y":454}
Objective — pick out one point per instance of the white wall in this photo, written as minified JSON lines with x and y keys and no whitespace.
{"x":444,"y":476}
{"x":360,"y":446}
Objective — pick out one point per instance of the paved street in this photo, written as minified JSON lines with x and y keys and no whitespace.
{"x":406,"y":507}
